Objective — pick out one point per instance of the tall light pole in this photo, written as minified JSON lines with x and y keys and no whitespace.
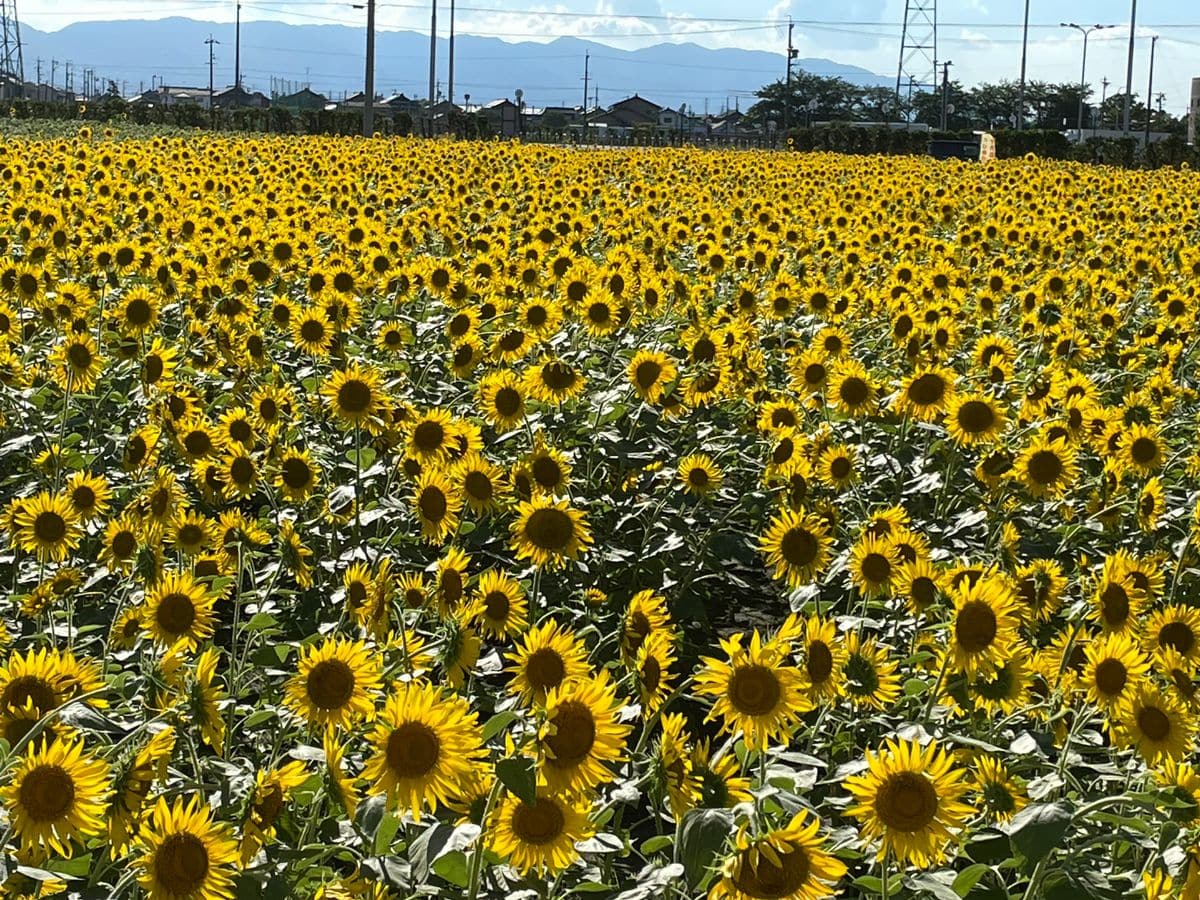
{"x":787,"y":81}
{"x":1100,"y":112}
{"x":212,"y":112}
{"x":1129,"y":65}
{"x":1083,"y":68}
{"x":432,"y":62}
{"x":1150,"y":90}
{"x":946,"y":93}
{"x":450,"y":76}
{"x":369,"y":80}
{"x":237,"y":50}
{"x":1024,"y":52}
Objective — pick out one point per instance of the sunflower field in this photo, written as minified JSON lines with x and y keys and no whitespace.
{"x":396,"y":519}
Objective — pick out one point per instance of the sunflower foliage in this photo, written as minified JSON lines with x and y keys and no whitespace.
{"x":392,"y":519}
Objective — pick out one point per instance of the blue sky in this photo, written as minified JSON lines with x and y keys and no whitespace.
{"x":981,"y":37}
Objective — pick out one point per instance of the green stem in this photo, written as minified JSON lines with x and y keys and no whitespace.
{"x":477,"y":857}
{"x":937,"y":685}
{"x":885,"y":876}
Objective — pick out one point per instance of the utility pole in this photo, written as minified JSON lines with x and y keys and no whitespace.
{"x":1129,"y":66}
{"x":1150,"y":91}
{"x":53,"y":70}
{"x":432,"y":61}
{"x":237,"y":50}
{"x":67,"y":83}
{"x":1024,"y":54}
{"x":369,"y":80}
{"x":450,"y":62}
{"x":1083,"y":68}
{"x":787,"y":84}
{"x":946,"y":93}
{"x":1104,"y":83}
{"x":212,"y":112}
{"x":39,"y":76}
{"x":586,"y":58}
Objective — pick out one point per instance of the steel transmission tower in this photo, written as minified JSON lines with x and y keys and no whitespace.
{"x":918,"y":47}
{"x":12,"y":67}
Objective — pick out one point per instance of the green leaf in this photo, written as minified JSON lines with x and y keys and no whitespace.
{"x":385,"y":832}
{"x":518,"y":775}
{"x":933,"y":886}
{"x":654,"y":844}
{"x":968,"y":878}
{"x":366,"y":456}
{"x":259,"y":621}
{"x":498,"y":723}
{"x":1040,"y":828}
{"x":453,"y":868}
{"x":701,"y":836}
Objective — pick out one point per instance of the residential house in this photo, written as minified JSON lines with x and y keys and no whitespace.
{"x":305,"y":98}
{"x":173,"y":95}
{"x":503,"y":116}
{"x":239,"y":96}
{"x":630,"y":113}
{"x":399,"y":103}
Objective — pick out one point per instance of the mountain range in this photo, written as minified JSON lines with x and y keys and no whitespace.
{"x":329,"y":58}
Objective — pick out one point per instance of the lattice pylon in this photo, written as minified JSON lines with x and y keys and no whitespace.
{"x":12,"y":64}
{"x":918,"y":48}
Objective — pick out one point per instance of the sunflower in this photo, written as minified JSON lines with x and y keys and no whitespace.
{"x":271,"y":792}
{"x":425,"y":744}
{"x":77,"y":364}
{"x":1115,"y":666}
{"x":554,"y":381}
{"x":502,"y":399}
{"x":548,"y":657}
{"x":873,"y":566}
{"x":56,"y":795}
{"x":48,"y":526}
{"x":548,"y":532}
{"x":984,"y":628}
{"x":197,"y":438}
{"x":1117,"y":602}
{"x":298,"y":475}
{"x":920,"y":583}
{"x":341,"y":787}
{"x":450,"y":580}
{"x":1158,"y":726}
{"x":191,"y":533}
{"x":869,"y":677}
{"x":926,"y":393}
{"x":1001,"y":795}
{"x":540,"y":836}
{"x":119,"y":543}
{"x":1174,"y":627}
{"x":836,"y":466}
{"x":719,"y":778}
{"x":335,"y":683}
{"x":1142,"y":449}
{"x":181,"y":853}
{"x":437,"y":505}
{"x":909,"y":797}
{"x":974,"y":418}
{"x":502,"y":608}
{"x":158,"y":365}
{"x":699,"y":475}
{"x":1040,"y":586}
{"x":851,"y":389}
{"x":580,"y":735}
{"x":645,"y":615}
{"x":653,"y":671}
{"x":824,"y":659}
{"x":649,"y":372}
{"x":89,"y":495}
{"x":178,"y":609}
{"x":131,"y":788}
{"x":137,"y":311}
{"x":548,"y":469}
{"x":788,"y":863}
{"x":1046,"y":468}
{"x":354,"y":395}
{"x":756,"y":695}
{"x":312,"y":332}
{"x":45,"y":679}
{"x":431,"y":436}
{"x":796,"y":543}
{"x":480,"y":482}
{"x":674,"y":762}
{"x":393,"y":337}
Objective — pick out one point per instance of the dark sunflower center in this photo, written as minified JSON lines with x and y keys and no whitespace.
{"x":799,"y":547}
{"x":769,"y":879}
{"x":1154,"y":723}
{"x":478,"y":485}
{"x":922,"y":591}
{"x":175,"y":613}
{"x":840,"y":468}
{"x":854,"y":391}
{"x":558,"y":376}
{"x":312,"y":331}
{"x":197,"y":443}
{"x":451,"y":584}
{"x":1111,"y":676}
{"x":546,"y":472}
{"x":906,"y":802}
{"x":413,"y":749}
{"x":647,"y":374}
{"x":876,"y":568}
{"x":330,"y":684}
{"x":296,"y":473}
{"x":783,"y":451}
{"x":1045,"y":467}
{"x":153,"y":368}
{"x":975,"y":417}
{"x":137,"y":312}
{"x":928,"y":390}
{"x":27,"y":689}
{"x":354,"y":396}
{"x":754,"y":690}
{"x":815,"y":373}
{"x":181,"y":864}
{"x":574,"y":735}
{"x":540,"y":823}
{"x":49,"y":527}
{"x":507,"y":401}
{"x":698,"y":477}
{"x":433,"y":504}
{"x":1178,"y":635}
{"x":80,"y":356}
{"x":83,"y":497}
{"x":545,"y":669}
{"x":704,"y":350}
{"x":429,"y":436}
{"x":269,"y":805}
{"x":1114,"y":604}
{"x":497,"y":606}
{"x":550,"y":529}
{"x":819,"y":663}
{"x":976,"y":627}
{"x":124,"y":543}
{"x":47,"y":793}
{"x":650,"y":674}
{"x":1144,"y":450}
{"x":241,"y":470}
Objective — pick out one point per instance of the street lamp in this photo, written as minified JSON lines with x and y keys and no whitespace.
{"x":1083,"y":68}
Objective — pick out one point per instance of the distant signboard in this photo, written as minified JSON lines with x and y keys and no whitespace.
{"x":954,"y":149}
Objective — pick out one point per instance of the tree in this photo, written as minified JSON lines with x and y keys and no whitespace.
{"x":832,"y":99}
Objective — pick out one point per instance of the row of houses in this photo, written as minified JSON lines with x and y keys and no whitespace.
{"x":505,"y":116}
